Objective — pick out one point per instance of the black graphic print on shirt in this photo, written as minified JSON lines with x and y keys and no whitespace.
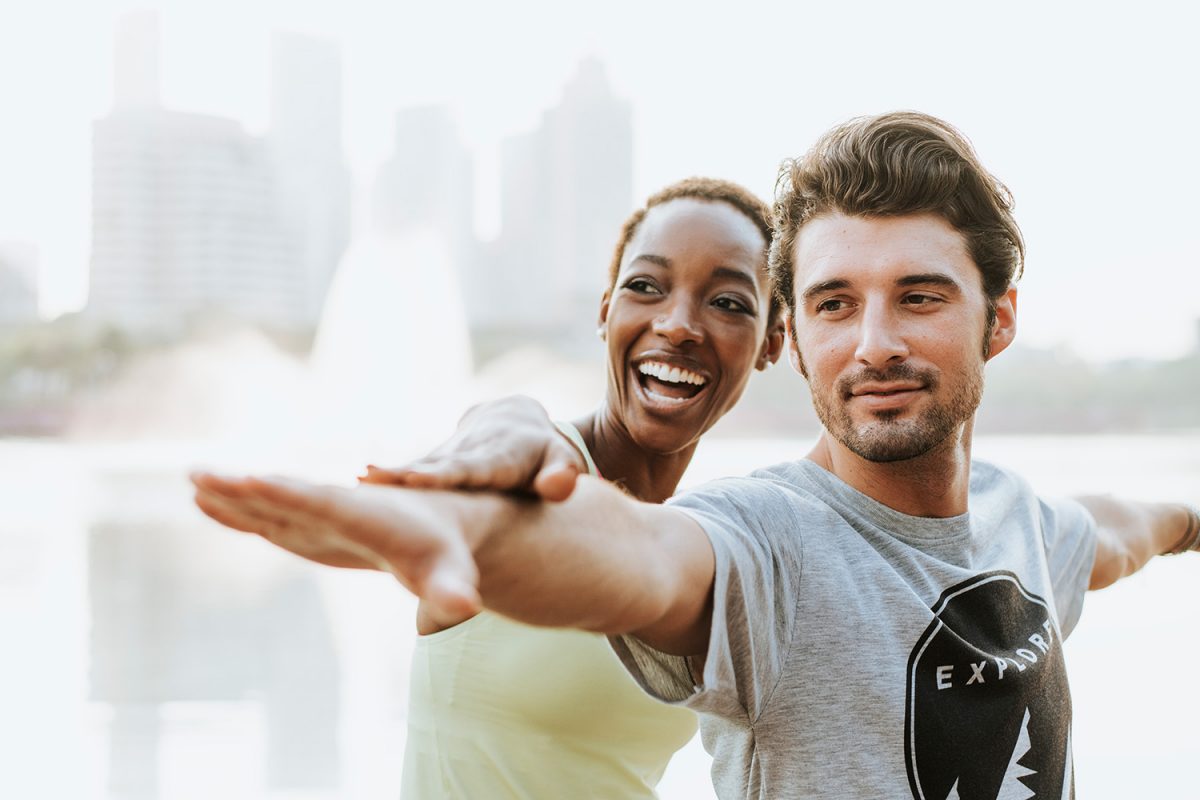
{"x":988,"y":710}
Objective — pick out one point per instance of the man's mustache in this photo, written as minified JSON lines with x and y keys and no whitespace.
{"x":898,"y":373}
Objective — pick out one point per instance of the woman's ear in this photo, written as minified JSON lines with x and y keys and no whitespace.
{"x":602,"y":328}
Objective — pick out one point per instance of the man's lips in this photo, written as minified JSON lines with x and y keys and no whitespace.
{"x":884,"y":389}
{"x":886,"y":396}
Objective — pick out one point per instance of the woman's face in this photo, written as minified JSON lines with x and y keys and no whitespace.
{"x":686,"y":321}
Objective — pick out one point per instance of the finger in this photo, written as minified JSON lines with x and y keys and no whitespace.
{"x":484,"y":468}
{"x":232,"y":515}
{"x":556,"y":480}
{"x":291,"y":496}
{"x":292,"y":515}
{"x":297,"y":540}
{"x":342,"y":518}
{"x":498,"y":472}
{"x":411,"y":476}
{"x":447,"y":473}
{"x":450,"y":588}
{"x":384,"y":475}
{"x":232,"y":486}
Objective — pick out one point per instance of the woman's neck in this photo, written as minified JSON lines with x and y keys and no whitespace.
{"x":646,"y":475}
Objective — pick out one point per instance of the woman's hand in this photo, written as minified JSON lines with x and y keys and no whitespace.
{"x":507,"y":445}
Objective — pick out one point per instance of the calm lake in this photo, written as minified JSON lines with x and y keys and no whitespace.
{"x":149,"y":654}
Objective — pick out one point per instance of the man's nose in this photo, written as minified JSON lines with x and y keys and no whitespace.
{"x":678,"y":324}
{"x":880,"y":340}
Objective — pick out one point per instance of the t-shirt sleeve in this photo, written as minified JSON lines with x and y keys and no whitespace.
{"x":1069,"y":533}
{"x":758,"y":563}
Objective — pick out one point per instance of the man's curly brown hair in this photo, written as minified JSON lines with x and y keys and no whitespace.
{"x":894,"y":164}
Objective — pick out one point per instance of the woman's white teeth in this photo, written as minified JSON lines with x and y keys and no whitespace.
{"x":669,"y":374}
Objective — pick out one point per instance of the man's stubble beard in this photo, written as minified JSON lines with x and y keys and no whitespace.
{"x":886,"y":438}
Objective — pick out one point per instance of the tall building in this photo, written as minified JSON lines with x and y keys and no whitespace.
{"x":305,"y":140}
{"x":428,"y":183}
{"x":185,"y":222}
{"x":18,"y":283}
{"x":191,"y":215}
{"x":566,"y":187}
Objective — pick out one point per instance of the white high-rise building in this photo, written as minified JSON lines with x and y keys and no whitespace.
{"x":185,"y":221}
{"x":306,"y":144}
{"x":428,"y":183}
{"x":565,"y":190}
{"x":18,"y":283}
{"x":194,"y":216}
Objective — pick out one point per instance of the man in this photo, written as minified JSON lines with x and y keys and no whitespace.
{"x":879,"y":618}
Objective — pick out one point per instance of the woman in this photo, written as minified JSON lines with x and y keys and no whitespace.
{"x":502,"y":709}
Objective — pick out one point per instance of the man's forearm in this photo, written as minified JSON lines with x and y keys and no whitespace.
{"x":1130,"y":533}
{"x":599,"y":561}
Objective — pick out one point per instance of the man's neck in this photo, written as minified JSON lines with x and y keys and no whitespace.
{"x":934,"y":484}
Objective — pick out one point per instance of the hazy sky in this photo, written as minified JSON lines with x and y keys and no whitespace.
{"x":1089,"y":115}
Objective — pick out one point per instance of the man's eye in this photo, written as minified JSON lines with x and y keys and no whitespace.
{"x":641,"y":286}
{"x":920,"y":299}
{"x":829,"y":306}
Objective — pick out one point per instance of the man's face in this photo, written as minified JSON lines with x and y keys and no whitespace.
{"x":891,"y":331}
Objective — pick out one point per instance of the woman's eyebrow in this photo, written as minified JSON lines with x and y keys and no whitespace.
{"x":718,"y":273}
{"x":737,"y":276}
{"x":653,"y":259}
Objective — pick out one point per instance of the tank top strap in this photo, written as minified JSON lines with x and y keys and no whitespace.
{"x":571,"y":432}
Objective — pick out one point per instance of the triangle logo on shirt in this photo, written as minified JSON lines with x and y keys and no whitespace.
{"x":988,"y":708}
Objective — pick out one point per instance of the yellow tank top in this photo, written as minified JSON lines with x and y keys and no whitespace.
{"x":498,"y":709}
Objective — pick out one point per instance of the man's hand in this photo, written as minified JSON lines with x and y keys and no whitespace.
{"x":507,"y":445}
{"x":414,"y":535}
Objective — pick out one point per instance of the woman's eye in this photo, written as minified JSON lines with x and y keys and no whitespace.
{"x":732,"y":304}
{"x":641,"y":286}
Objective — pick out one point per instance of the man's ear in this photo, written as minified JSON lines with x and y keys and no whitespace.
{"x":772,"y":345}
{"x":1004,"y":329}
{"x":602,"y":329}
{"x":793,"y":348}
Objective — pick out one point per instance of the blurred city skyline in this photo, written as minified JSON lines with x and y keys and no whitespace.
{"x":1084,"y":113}
{"x":196,"y":220}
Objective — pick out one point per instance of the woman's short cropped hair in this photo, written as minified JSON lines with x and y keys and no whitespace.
{"x":709,"y":189}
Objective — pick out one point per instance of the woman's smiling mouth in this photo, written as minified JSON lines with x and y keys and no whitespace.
{"x":669,"y":384}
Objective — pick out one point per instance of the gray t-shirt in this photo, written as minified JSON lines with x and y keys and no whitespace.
{"x":857,"y":652}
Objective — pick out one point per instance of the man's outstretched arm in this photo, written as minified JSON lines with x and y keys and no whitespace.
{"x":599,"y":561}
{"x":1130,"y":533}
